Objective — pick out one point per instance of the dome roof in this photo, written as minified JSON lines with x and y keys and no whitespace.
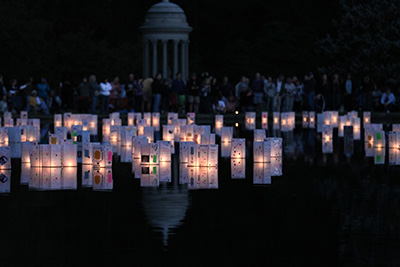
{"x":165,"y":16}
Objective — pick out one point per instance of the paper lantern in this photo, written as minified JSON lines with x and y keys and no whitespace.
{"x":137,"y":117}
{"x":106,"y":126}
{"x":207,"y":139}
{"x":156,"y":121}
{"x":342,"y":123}
{"x":284,"y":121}
{"x":138,"y":141}
{"x":250,"y":120}
{"x":127,"y":134}
{"x":327,"y":139}
{"x":305,"y":119}
{"x":87,"y":176}
{"x":102,"y":156}
{"x":193,"y":178}
{"x":264,"y":120}
{"x":261,"y":173}
{"x":394,"y":156}
{"x":238,"y":149}
{"x":68,"y":122}
{"x":326,"y":117}
{"x":334,"y":119}
{"x":14,"y":134}
{"x":276,"y":123}
{"x":57,"y":121}
{"x":164,"y":148}
{"x":5,"y":158}
{"x":50,"y":179}
{"x":291,"y":120}
{"x":225,"y":149}
{"x":187,"y":133}
{"x":212,"y":155}
{"x":172,"y":116}
{"x":276,"y":166}
{"x":61,"y":132}
{"x":276,"y":146}
{"x":140,"y":126}
{"x":394,"y":139}
{"x":311,"y":120}
{"x":184,"y":151}
{"x":193,"y":153}
{"x":348,"y":141}
{"x":190,"y":118}
{"x":69,"y":178}
{"x":126,"y":154}
{"x":8,"y":122}
{"x":379,"y":155}
{"x":114,"y":130}
{"x":4,"y":136}
{"x":226,"y":134}
{"x":149,"y":176}
{"x":149,"y":133}
{"x":219,"y":123}
{"x":396,"y":127}
{"x":22,"y":122}
{"x":7,"y":115}
{"x":87,"y":153}
{"x":149,"y":153}
{"x":259,"y":135}
{"x":131,"y":119}
{"x":183,"y":173}
{"x":169,"y":135}
{"x":85,"y":124}
{"x":203,"y":155}
{"x":352,"y":114}
{"x":356,"y":129}
{"x":93,"y":125}
{"x":82,"y":137}
{"x":26,"y":152}
{"x":147,"y":119}
{"x":238,"y":168}
{"x":136,"y":168}
{"x":102,"y":179}
{"x":69,"y":155}
{"x":366,"y":118}
{"x":262,"y":151}
{"x":177,"y":128}
{"x":379,"y":139}
{"x":213,"y":177}
{"x":114,"y":116}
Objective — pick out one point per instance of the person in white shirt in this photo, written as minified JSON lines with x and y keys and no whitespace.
{"x":279,"y":91}
{"x":105,"y":88}
{"x":387,"y":100}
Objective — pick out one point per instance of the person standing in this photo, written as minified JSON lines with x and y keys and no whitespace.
{"x":205,"y":96}
{"x":225,"y":89}
{"x":105,"y":89}
{"x":147,"y":93}
{"x":348,"y":93}
{"x":289,"y":89}
{"x":193,"y":89}
{"x":156,"y":89}
{"x":336,"y":94}
{"x":83,"y":98}
{"x":257,"y":86}
{"x":43,"y":88}
{"x":388,"y":100}
{"x":115,"y":93}
{"x":178,"y":92}
{"x":94,"y":92}
{"x":279,"y":92}
{"x":270,"y":93}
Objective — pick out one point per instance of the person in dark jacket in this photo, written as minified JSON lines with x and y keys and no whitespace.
{"x":193,"y":91}
{"x":156,"y":88}
{"x":94,"y":92}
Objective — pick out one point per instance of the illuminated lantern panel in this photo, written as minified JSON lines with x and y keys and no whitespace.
{"x":147,"y":119}
{"x":184,"y":151}
{"x":156,"y":121}
{"x":379,"y":139}
{"x":259,"y":135}
{"x":276,"y":146}
{"x":169,"y":135}
{"x":191,"y":118}
{"x":394,"y":139}
{"x":82,"y":137}
{"x":164,"y":148}
{"x":138,"y":141}
{"x":131,"y":119}
{"x":93,"y":124}
{"x":87,"y":152}
{"x":305,"y":119}
{"x":106,"y":130}
{"x":276,"y":116}
{"x":356,"y":128}
{"x":327,"y":139}
{"x":69,"y":155}
{"x":276,"y":166}
{"x":22,"y":122}
{"x":172,"y":116}
{"x":250,"y":120}
{"x":238,"y":168}
{"x":264,"y":120}
{"x":8,"y":122}
{"x":74,"y":132}
{"x":102,"y":156}
{"x":284,"y":121}
{"x":396,"y":127}
{"x":4,"y":136}
{"x":149,"y":133}
{"x":207,"y":139}
{"x":193,"y":155}
{"x":366,"y":118}
{"x":291,"y":120}
{"x":311,"y":120}
{"x":219,"y":123}
{"x":226,"y":134}
{"x":5,"y":158}
{"x":54,"y":139}
{"x":334,"y":118}
{"x":127,"y":134}
{"x":379,"y":155}
{"x":137,"y":117}
{"x":394,"y":156}
{"x":26,"y":151}
{"x":61,"y":132}
{"x":165,"y":172}
{"x":238,"y":149}
{"x":342,"y":123}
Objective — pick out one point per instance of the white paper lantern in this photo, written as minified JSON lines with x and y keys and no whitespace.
{"x":106,"y":130}
{"x":276,"y":122}
{"x":164,"y":148}
{"x":394,"y":139}
{"x":149,"y":133}
{"x":169,"y":135}
{"x":193,"y":159}
{"x":184,"y":151}
{"x":183,"y":173}
{"x":284,"y":121}
{"x":69,"y":155}
{"x":259,"y":135}
{"x":219,"y":123}
{"x":165,"y":171}
{"x":379,"y":139}
{"x":311,"y":122}
{"x":147,"y":119}
{"x":394,"y":156}
{"x":226,"y":134}
{"x":138,"y":141}
{"x":276,"y":166}
{"x":156,"y":121}
{"x":57,"y":120}
{"x":172,"y":116}
{"x":356,"y":129}
{"x":5,"y":158}
{"x":8,"y":122}
{"x":305,"y":119}
{"x":26,"y":152}
{"x":276,"y":146}
{"x":190,"y":116}
{"x":238,"y":168}
{"x":250,"y":120}
{"x":22,"y":122}
{"x":366,"y":118}
{"x":102,"y":156}
{"x":396,"y":127}
{"x":291,"y":120}
{"x":238,"y":149}
{"x":127,"y":134}
{"x":87,"y":176}
{"x":7,"y":115}
{"x":264,"y":120}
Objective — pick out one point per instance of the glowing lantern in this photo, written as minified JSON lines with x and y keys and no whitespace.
{"x":261,"y":173}
{"x":57,"y":120}
{"x":219,"y":123}
{"x":335,"y":118}
{"x":25,"y":152}
{"x":138,"y":141}
{"x":276,"y":146}
{"x":356,"y":129}
{"x":342,"y":123}
{"x":264,"y":120}
{"x":156,"y":121}
{"x":22,"y":122}
{"x":366,"y":118}
{"x":327,"y":139}
{"x":140,"y":126}
{"x":259,"y":135}
{"x":379,"y":155}
{"x":149,"y":176}
{"x":213,"y":177}
{"x":276,"y":116}
{"x":69,"y":155}
{"x":164,"y":148}
{"x":207,"y":139}
{"x":177,"y":128}
{"x":147,"y":119}
{"x":126,"y":136}
{"x":172,"y":116}
{"x":190,"y":118}
{"x":238,"y":168}
{"x":87,"y":153}
{"x":149,"y":133}
{"x":114,"y":130}
{"x":106,"y":130}
{"x":85,"y":124}
{"x":311,"y":122}
{"x":74,"y":132}
{"x":102,"y":156}
{"x":5,"y":158}
{"x":238,"y":149}
{"x":82,"y":137}
{"x":305,"y":119}
{"x":379,"y":139}
{"x":394,"y":139}
{"x":258,"y":151}
{"x":61,"y":132}
{"x":168,"y":135}
{"x":226,"y":134}
{"x":203,"y":155}
{"x":193,"y":155}
{"x":165,"y":172}
{"x":284,"y":121}
{"x":93,"y":125}
{"x":149,"y":153}
{"x":291,"y":120}
{"x":212,"y":155}
{"x":8,"y":122}
{"x":87,"y":176}
{"x":131,"y":119}
{"x":137,"y":117}
{"x":184,"y":151}
{"x":250,"y":120}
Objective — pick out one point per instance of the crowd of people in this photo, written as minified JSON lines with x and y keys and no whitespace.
{"x":200,"y":93}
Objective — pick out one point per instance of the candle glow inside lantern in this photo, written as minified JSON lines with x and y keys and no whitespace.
{"x":379,"y":139}
{"x":394,"y":139}
{"x":156,"y":121}
{"x":172,"y":116}
{"x":184,"y":151}
{"x":262,"y":151}
{"x":93,"y":124}
{"x":311,"y":120}
{"x":147,"y":119}
{"x":102,"y":156}
{"x":261,"y":173}
{"x":305,"y":119}
{"x":149,"y":133}
{"x":69,"y":155}
{"x":165,"y":171}
{"x":127,"y":134}
{"x":356,"y":128}
{"x":342,"y":123}
{"x":327,"y":139}
{"x":68,"y":122}
{"x":291,"y":120}
{"x":327,"y":118}
{"x":238,"y":148}
{"x":177,"y":130}
{"x":226,"y":134}
{"x":259,"y":135}
{"x":284,"y":121}
{"x":366,"y":118}
{"x":276,"y":116}
{"x":169,"y":135}
{"x":219,"y":123}
{"x":264,"y":120}
{"x":191,"y":118}
{"x":46,"y":155}
{"x":131,"y":119}
{"x":164,"y":148}
{"x":26,"y":152}
{"x":57,"y":120}
{"x":250,"y":120}
{"x":4,"y":136}
{"x":394,"y":156}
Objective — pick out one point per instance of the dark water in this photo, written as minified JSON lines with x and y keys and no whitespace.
{"x":325,"y":210}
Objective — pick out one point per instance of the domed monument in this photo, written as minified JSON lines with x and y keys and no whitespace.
{"x":165,"y":25}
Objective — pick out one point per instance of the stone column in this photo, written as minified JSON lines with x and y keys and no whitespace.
{"x":183,"y":61}
{"x":176,"y":42}
{"x":154,"y":42}
{"x":165,"y":58}
{"x":187,"y":57}
{"x":145,"y":57}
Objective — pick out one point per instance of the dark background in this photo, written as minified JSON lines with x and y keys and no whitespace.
{"x":59,"y":39}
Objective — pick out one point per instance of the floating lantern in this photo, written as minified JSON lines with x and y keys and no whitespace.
{"x":156,"y":121}
{"x":22,"y":122}
{"x":106,"y":130}
{"x":379,"y":155}
{"x":140,"y":126}
{"x":177,"y":128}
{"x":127,"y":134}
{"x":131,"y":119}
{"x":356,"y":129}
{"x":276,"y":116}
{"x":305,"y":119}
{"x":258,"y":151}
{"x":394,"y":139}
{"x":138,"y":141}
{"x":264,"y":120}
{"x":261,"y":173}
{"x":172,"y":116}
{"x":284,"y":121}
{"x":311,"y":122}
{"x":102,"y":179}
{"x":342,"y":123}
{"x":5,"y":158}
{"x":327,"y":139}
{"x":366,"y":118}
{"x":69,"y":155}
{"x":193,"y":155}
{"x":137,"y":117}
{"x":276,"y":146}
{"x":149,"y":176}
{"x":147,"y":119}
{"x":184,"y":151}
{"x":82,"y":137}
{"x":87,"y":153}
{"x":68,"y":122}
{"x":238,"y":168}
{"x":276,"y":166}
{"x":126,"y":154}
{"x":250,"y":120}
{"x":238,"y":149}
{"x":85,"y":124}
{"x":203,"y":155}
{"x":87,"y":176}
{"x":168,"y":135}
{"x":164,"y":148}
{"x":26,"y":151}
{"x":291,"y":120}
{"x":190,"y":118}
{"x":165,"y":171}
{"x":207,"y":139}
{"x":226,"y":134}
{"x":259,"y":135}
{"x":149,"y":153}
{"x":219,"y":123}
{"x":379,"y":139}
{"x":102,"y":156}
{"x":8,"y":122}
{"x":57,"y":121}
{"x":212,"y":155}
{"x":93,"y":125}
{"x":334,"y":118}
{"x":149,"y":133}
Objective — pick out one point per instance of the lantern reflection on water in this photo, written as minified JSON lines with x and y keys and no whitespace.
{"x":5,"y":181}
{"x":327,"y":139}
{"x":305,"y":121}
{"x":102,"y":179}
{"x":87,"y":176}
{"x":238,"y":168}
{"x":261,"y":173}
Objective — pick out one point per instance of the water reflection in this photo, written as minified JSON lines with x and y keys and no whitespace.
{"x":262,"y":173}
{"x":238,"y":168}
{"x":44,"y":179}
{"x":5,"y":181}
{"x":102,"y":179}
